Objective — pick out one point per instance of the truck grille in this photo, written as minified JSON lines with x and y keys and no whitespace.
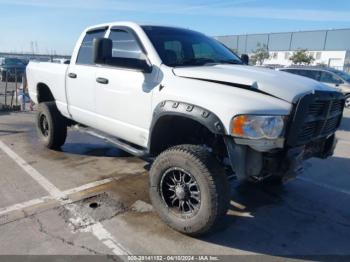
{"x":315,"y":116}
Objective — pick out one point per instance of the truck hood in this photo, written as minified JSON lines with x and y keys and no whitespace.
{"x":282,"y":85}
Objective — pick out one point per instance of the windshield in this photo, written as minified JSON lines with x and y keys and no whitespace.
{"x":182,"y":47}
{"x":345,"y":76}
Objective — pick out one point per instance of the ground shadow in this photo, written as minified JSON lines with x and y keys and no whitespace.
{"x":345,"y":124}
{"x":300,"y":218}
{"x":5,"y":132}
{"x":87,"y":149}
{"x":79,"y":143}
{"x":3,"y":112}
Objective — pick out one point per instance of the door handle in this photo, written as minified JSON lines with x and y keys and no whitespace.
{"x":102,"y":80}
{"x":72,"y":75}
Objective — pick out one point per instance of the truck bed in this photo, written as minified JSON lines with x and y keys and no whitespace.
{"x":50,"y":74}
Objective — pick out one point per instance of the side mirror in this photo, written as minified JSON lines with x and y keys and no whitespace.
{"x":102,"y":50}
{"x":245,"y":59}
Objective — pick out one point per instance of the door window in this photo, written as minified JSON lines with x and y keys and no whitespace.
{"x":329,"y":78}
{"x":125,"y":45}
{"x":313,"y":74}
{"x":85,"y":56}
{"x":126,"y":51}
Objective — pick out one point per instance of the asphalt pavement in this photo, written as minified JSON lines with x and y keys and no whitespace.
{"x":91,"y":198}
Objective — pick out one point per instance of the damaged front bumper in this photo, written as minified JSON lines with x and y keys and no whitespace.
{"x":246,"y":162}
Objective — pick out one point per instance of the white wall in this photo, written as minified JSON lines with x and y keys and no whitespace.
{"x":331,"y":58}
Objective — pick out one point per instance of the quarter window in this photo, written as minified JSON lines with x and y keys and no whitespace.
{"x":85,"y":56}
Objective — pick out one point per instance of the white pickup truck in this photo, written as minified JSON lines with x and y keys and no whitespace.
{"x":190,"y":105}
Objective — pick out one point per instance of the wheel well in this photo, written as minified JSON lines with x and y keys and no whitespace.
{"x":44,"y":93}
{"x":172,"y":130}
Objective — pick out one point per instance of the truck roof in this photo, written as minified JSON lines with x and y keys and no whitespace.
{"x":128,"y":23}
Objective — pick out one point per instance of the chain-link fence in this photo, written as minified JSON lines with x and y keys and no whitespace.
{"x":12,"y":94}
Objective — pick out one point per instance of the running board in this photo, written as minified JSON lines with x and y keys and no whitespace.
{"x":134,"y":150}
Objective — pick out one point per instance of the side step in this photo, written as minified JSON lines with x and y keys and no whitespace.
{"x":132,"y":149}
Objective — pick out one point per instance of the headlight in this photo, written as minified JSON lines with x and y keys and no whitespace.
{"x":257,"y":127}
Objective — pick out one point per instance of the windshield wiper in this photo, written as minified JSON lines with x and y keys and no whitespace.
{"x":197,"y":61}
{"x":206,"y":61}
{"x":231,"y":62}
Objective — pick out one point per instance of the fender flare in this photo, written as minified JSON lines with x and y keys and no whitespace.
{"x":196,"y":113}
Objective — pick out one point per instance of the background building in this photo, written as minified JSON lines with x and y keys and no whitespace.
{"x":328,"y":47}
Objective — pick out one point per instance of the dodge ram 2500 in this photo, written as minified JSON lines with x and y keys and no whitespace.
{"x":190,"y":105}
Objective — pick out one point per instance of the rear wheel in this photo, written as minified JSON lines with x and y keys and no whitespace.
{"x":51,"y":125}
{"x":189,"y":189}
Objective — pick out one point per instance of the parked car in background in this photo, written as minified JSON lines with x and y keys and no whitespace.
{"x":340,"y":80}
{"x":25,"y":61}
{"x":41,"y":59}
{"x":61,"y":61}
{"x":272,"y":66}
{"x":11,"y":69}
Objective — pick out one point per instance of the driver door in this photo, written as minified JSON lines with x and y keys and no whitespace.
{"x":123,"y":94}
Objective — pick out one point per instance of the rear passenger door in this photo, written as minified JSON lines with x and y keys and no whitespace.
{"x":80,"y":82}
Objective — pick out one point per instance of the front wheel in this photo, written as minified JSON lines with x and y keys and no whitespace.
{"x":51,"y":125}
{"x":189,"y":189}
{"x":347,"y":101}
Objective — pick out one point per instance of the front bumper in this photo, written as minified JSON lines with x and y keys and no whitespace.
{"x":287,"y":163}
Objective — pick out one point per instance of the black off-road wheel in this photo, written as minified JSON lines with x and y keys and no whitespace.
{"x":51,"y":125}
{"x":189,"y":189}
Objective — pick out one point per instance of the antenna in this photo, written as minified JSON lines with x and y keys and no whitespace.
{"x":36,"y":47}
{"x":32,"y":47}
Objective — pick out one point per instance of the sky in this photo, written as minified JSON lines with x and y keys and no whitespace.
{"x":55,"y":25}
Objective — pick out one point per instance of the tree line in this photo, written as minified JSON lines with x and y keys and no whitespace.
{"x":299,"y":57}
